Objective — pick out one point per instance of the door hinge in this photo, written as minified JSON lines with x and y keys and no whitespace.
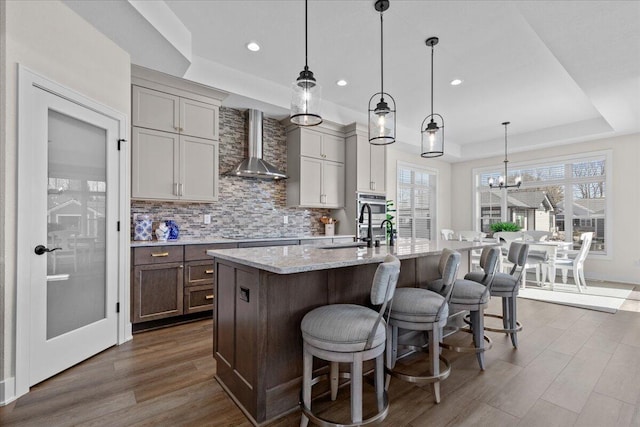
{"x":117,"y":307}
{"x":120,"y":141}
{"x":118,"y":227}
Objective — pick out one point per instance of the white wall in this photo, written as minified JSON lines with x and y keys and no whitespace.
{"x":51,"y":40}
{"x":625,"y":263}
{"x":443,"y":209}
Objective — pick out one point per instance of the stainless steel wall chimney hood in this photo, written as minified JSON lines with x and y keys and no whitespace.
{"x":255,"y":166}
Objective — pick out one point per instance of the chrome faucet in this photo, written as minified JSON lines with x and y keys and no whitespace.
{"x":369,"y":238}
{"x":386,"y":221}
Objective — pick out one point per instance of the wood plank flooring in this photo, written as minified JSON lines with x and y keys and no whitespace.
{"x":574,"y":367}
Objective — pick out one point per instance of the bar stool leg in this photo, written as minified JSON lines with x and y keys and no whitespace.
{"x":477,"y":326}
{"x":434,"y":355}
{"x":334,"y":375}
{"x":391,"y":352}
{"x":356,"y":388}
{"x":307,"y":368}
{"x":380,"y":382}
{"x":512,"y":318}
{"x":505,"y":313}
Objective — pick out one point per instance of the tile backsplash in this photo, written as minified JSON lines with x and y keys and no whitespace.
{"x":246,"y":207}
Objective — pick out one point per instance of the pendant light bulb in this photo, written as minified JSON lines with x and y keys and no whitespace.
{"x":433,"y":132}
{"x":382,"y":117}
{"x":306,"y":92}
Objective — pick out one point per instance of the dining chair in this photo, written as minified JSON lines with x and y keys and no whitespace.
{"x":534,"y":258}
{"x":67,"y":242}
{"x":353,"y":334}
{"x":574,"y":261}
{"x":447,"y":234}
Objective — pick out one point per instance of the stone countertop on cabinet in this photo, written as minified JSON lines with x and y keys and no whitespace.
{"x":217,"y":240}
{"x":297,"y":259}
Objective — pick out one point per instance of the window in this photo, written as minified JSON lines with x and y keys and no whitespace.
{"x":565,"y":197}
{"x":415,"y":207}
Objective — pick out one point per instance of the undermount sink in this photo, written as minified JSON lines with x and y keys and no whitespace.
{"x":345,"y":245}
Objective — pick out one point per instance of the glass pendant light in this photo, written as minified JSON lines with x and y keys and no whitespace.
{"x":306,"y":96}
{"x":432,"y":128}
{"x":382,"y":117}
{"x":502,"y":180}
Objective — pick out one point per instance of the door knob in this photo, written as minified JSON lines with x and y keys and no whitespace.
{"x":41,"y":249}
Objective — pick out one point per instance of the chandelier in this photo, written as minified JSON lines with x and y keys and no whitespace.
{"x":502,"y":179}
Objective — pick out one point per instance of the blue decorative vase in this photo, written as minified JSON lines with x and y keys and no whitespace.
{"x":174,"y":231}
{"x":142,"y":229}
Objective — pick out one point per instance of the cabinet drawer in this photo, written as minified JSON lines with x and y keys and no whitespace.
{"x":199,"y":252}
{"x":198,"y":273}
{"x":157,"y":254}
{"x":198,"y":298}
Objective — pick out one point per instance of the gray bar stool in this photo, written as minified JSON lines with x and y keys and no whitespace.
{"x":417,"y":309}
{"x":506,"y":286}
{"x":473,"y":295}
{"x":349,"y":333}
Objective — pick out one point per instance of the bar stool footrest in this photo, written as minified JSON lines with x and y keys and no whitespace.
{"x":468,"y":349}
{"x":323,"y":422}
{"x":496,"y":316}
{"x":444,"y":374}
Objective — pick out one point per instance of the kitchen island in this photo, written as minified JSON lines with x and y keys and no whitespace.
{"x":262,"y":294}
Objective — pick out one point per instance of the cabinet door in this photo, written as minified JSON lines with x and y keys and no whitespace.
{"x":198,"y":169}
{"x":378,"y":168}
{"x":155,"y":110}
{"x":310,"y":143}
{"x":363,"y":164}
{"x":310,"y":182}
{"x":333,"y":148}
{"x":154,"y":164}
{"x":333,"y":180}
{"x":198,"y":119}
{"x":157,"y":291}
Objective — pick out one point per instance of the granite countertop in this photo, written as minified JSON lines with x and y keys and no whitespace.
{"x":297,"y":259}
{"x":216,"y":240}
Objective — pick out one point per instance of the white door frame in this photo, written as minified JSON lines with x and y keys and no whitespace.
{"x":28,"y":79}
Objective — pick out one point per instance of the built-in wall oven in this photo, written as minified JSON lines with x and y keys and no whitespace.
{"x":378,"y":204}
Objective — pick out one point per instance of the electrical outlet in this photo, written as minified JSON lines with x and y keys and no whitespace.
{"x":207,"y":218}
{"x":135,"y":216}
{"x":285,"y":219}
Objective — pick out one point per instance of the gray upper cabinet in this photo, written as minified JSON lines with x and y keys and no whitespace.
{"x":369,"y":160}
{"x":315,"y":164}
{"x":158,"y":110}
{"x":174,"y":147}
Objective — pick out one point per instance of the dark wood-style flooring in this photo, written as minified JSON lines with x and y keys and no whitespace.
{"x":574,"y":367}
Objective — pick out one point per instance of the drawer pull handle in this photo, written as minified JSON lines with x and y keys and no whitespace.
{"x":208,"y":271}
{"x":160,"y":254}
{"x":208,"y":297}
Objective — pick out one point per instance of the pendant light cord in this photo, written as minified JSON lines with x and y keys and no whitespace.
{"x":381,"y":59}
{"x":306,"y":43}
{"x":505,"y":154}
{"x":431,"y":82}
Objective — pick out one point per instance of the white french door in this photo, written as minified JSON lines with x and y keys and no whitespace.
{"x":70,"y":243}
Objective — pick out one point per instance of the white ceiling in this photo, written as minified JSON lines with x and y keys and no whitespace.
{"x":560,"y":71}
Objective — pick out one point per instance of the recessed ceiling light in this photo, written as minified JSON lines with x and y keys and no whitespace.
{"x":341,"y":82}
{"x":253,"y":46}
{"x":456,"y":82}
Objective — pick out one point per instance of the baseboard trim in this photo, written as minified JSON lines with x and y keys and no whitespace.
{"x":7,"y":391}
